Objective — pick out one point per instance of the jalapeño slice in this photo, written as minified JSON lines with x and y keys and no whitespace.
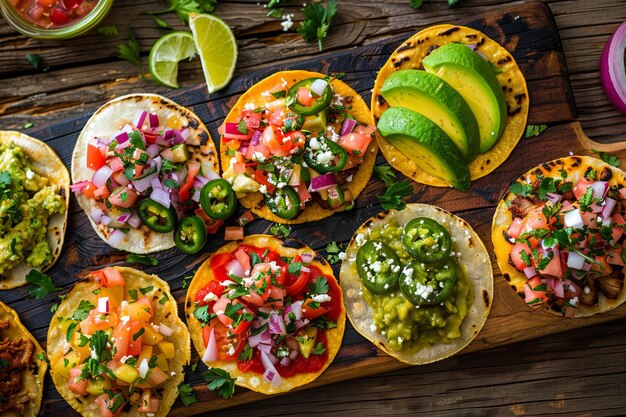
{"x":428,"y":283}
{"x":217,"y":199}
{"x":426,"y":240}
{"x":317,"y":105}
{"x":285,"y":202}
{"x":378,"y":267}
{"x":156,"y":216}
{"x":190,"y":235}
{"x":324,"y":155}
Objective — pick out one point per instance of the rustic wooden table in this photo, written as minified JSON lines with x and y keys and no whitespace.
{"x":579,"y":372}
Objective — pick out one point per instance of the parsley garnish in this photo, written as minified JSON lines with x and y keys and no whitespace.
{"x":392,"y":198}
{"x":323,"y":323}
{"x":183,"y":8}
{"x":220,"y":380}
{"x":186,"y":395}
{"x":133,"y":295}
{"x":294,"y":268}
{"x":586,"y":199}
{"x":35,"y":61}
{"x":320,"y":286}
{"x":547,"y":186}
{"x":254,"y":259}
{"x":608,"y":158}
{"x":82,"y":312}
{"x":280,"y":230}
{"x":521,"y":189}
{"x":242,"y":128}
{"x":139,"y":333}
{"x":133,"y":258}
{"x":202,"y":314}
{"x":131,"y":52}
{"x":40,"y":284}
{"x":317,"y":21}
{"x":110,"y":30}
{"x":524,"y":257}
{"x":545,"y":260}
{"x":534,"y":130}
{"x":170,"y":183}
{"x":246,"y":354}
{"x":70,"y":331}
{"x":385,"y":174}
{"x":318,"y":349}
{"x":333,"y":249}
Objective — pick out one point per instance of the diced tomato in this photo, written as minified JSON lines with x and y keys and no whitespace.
{"x":554,"y":268}
{"x":211,"y":225}
{"x":223,"y":343}
{"x":278,"y":295}
{"x":77,"y":387}
{"x":138,"y":170}
{"x":535,"y":219}
{"x":353,"y":161}
{"x":150,"y":137}
{"x":121,"y":335}
{"x":252,"y":119}
{"x":113,"y":277}
{"x":515,"y":230}
{"x":120,"y":178}
{"x":89,"y":191}
{"x":254,"y":150}
{"x":95,"y":157}
{"x":192,"y":172}
{"x":298,"y":139}
{"x":212,"y":287}
{"x":364,"y":130}
{"x":589,"y":218}
{"x":535,"y":292}
{"x":219,"y":307}
{"x":615,"y":256}
{"x":354,"y":143}
{"x":304,"y":96}
{"x":137,"y":311}
{"x":601,"y":265}
{"x":145,"y":303}
{"x":233,"y":233}
{"x":618,"y":230}
{"x":261,"y":177}
{"x":220,"y":259}
{"x":157,"y":376}
{"x":135,"y":340}
{"x":276,"y":119}
{"x":149,"y":404}
{"x":102,"y":192}
{"x":298,"y":285}
{"x":310,"y":312}
{"x":96,"y":321}
{"x":516,"y":258}
{"x":581,"y":187}
{"x":105,"y":404}
{"x":116,"y":164}
{"x":59,"y":17}
{"x":303,"y":193}
{"x":243,"y":258}
{"x":124,"y":197}
{"x":245,"y":218}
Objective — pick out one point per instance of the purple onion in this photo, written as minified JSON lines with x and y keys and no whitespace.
{"x":134,"y":221}
{"x":142,"y":184}
{"x":124,"y":217}
{"x":121,"y":137}
{"x":79,"y":186}
{"x":140,"y":117}
{"x":235,"y":268}
{"x":554,"y":198}
{"x":264,"y":348}
{"x":256,"y":136}
{"x":530,"y":271}
{"x":106,"y":220}
{"x":296,"y":308}
{"x":202,"y":180}
{"x":155,"y":183}
{"x":307,"y":258}
{"x":293,"y":354}
{"x":153,"y":150}
{"x":285,"y":361}
{"x":101,"y":176}
{"x":161,"y":196}
{"x":96,"y":214}
{"x":177,"y":138}
{"x":185,"y":133}
{"x":347,"y":126}
{"x":608,"y":207}
{"x":323,"y":182}
{"x":154,"y":119}
{"x":276,"y":324}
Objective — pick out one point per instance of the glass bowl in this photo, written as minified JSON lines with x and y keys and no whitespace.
{"x":24,"y":26}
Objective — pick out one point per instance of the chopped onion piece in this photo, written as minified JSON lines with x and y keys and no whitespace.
{"x":79,"y":186}
{"x":285,"y":361}
{"x":101,"y":176}
{"x":143,"y":368}
{"x":318,"y":86}
{"x":554,"y":198}
{"x":153,"y":150}
{"x":264,"y":347}
{"x":142,"y":184}
{"x":116,"y":238}
{"x":161,"y":196}
{"x":276,"y":323}
{"x":347,"y":126}
{"x":235,"y":268}
{"x":293,"y":354}
{"x":124,"y":217}
{"x":256,"y":136}
{"x":612,"y":69}
{"x":210,"y":354}
{"x":134,"y":221}
{"x":140,"y":118}
{"x":121,"y":137}
{"x":573,"y":219}
{"x":185,"y":133}
{"x":307,"y":258}
{"x":530,"y":272}
{"x":106,"y":220}
{"x":608,"y":207}
{"x":103,"y":305}
{"x":575,"y":261}
{"x":96,"y":214}
{"x":599,"y":189}
{"x":154,"y":119}
{"x":323,"y":182}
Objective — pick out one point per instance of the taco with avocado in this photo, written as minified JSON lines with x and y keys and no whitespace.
{"x":138,"y":168}
{"x":22,"y":369}
{"x":116,"y":345}
{"x":450,"y":105}
{"x":418,"y":283}
{"x":34,"y":196}
{"x":558,"y":236}
{"x":269,"y":312}
{"x":297,"y":147}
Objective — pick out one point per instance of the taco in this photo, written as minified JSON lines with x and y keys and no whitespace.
{"x":410,"y":56}
{"x":558,"y":235}
{"x":23,"y":367}
{"x":138,"y":167}
{"x":418,"y":283}
{"x":296,"y":147}
{"x":34,"y":196}
{"x":269,"y":312}
{"x":116,"y":345}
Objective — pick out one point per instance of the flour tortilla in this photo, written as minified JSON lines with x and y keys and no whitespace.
{"x":256,"y":382}
{"x":45,"y":162}
{"x":409,"y":55}
{"x":166,"y":313}
{"x":575,"y":166}
{"x":32,"y":379}
{"x":106,"y":122}
{"x":259,"y":95}
{"x":474,"y":260}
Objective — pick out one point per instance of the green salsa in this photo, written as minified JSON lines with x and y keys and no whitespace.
{"x":411,"y":327}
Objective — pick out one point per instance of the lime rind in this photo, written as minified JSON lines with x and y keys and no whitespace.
{"x":165,"y":55}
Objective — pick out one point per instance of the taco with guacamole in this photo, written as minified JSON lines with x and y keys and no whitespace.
{"x":138,"y":169}
{"x":418,"y":283}
{"x":297,"y":147}
{"x":22,"y":367}
{"x":34,"y":196}
{"x":116,"y":345}
{"x":558,"y":235}
{"x":450,"y":105}
{"x":269,"y":312}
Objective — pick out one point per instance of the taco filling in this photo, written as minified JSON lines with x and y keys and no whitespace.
{"x":15,"y":358}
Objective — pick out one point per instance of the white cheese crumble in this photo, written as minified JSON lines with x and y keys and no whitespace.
{"x":30,"y":174}
{"x":321,"y":298}
{"x":210,"y":297}
{"x":249,"y":106}
{"x":342,"y":256}
{"x":360,"y":239}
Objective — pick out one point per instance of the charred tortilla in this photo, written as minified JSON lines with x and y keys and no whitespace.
{"x":410,"y":54}
{"x":564,"y":170}
{"x":473,"y":261}
{"x":332,"y":333}
{"x":46,"y":163}
{"x":15,"y":342}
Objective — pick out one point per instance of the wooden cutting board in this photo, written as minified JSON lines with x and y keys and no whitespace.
{"x":528,"y":31}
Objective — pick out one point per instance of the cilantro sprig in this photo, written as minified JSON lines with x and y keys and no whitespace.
{"x":133,"y":258}
{"x":182,"y":8}
{"x":317,"y":21}
{"x":608,"y":158}
{"x":186,"y":394}
{"x":40,"y":284}
{"x":131,"y":52}
{"x":385,"y":174}
{"x":333,"y":249}
{"x":220,"y":380}
{"x":392,"y":198}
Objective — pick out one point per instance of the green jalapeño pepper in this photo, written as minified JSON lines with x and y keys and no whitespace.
{"x":217,"y":199}
{"x":318,"y":104}
{"x":156,"y":216}
{"x":428,"y":284}
{"x":426,"y":240}
{"x":324,"y":155}
{"x":190,"y":235}
{"x":285,"y":202}
{"x":378,"y":267}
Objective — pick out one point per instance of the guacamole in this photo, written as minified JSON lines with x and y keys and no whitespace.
{"x":411,"y":327}
{"x":27,"y":201}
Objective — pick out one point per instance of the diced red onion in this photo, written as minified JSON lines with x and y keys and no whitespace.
{"x":347,"y":126}
{"x":121,"y":137}
{"x":596,"y":208}
{"x":134,"y":221}
{"x":177,"y":138}
{"x":612,"y":70}
{"x":201,"y":180}
{"x":305,"y":269}
{"x":264,"y":347}
{"x":256,"y":136}
{"x":102,"y":144}
{"x":323,"y":182}
{"x":140,"y":117}
{"x":103,"y":305}
{"x":116,"y":238}
{"x":176,"y":203}
{"x":185,"y":133}
{"x":210,"y":354}
{"x":575,"y":261}
{"x":101,"y":176}
{"x":276,"y":324}
{"x":154,"y":119}
{"x":96,"y":214}
{"x":264,"y":337}
{"x":296,"y":308}
{"x":106,"y":220}
{"x":318,"y":86}
{"x":155,"y":183}
{"x":301,"y":323}
{"x":153,"y":150}
{"x":530,"y":271}
{"x":608,"y":207}
{"x":293,"y":354}
{"x":124,"y":217}
{"x":196,"y":195}
{"x":235,"y":268}
{"x":285,"y":361}
{"x":573,"y":219}
{"x":161,"y":196}
{"x":307,"y":258}
{"x":557,"y":286}
{"x":599,"y":189}
{"x":142,"y":184}
{"x":554,"y":198}
{"x":270,"y":374}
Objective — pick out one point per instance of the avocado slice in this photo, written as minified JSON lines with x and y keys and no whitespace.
{"x":422,"y":141}
{"x":316,"y":122}
{"x":473,"y":77}
{"x":306,"y":340}
{"x":434,"y":98}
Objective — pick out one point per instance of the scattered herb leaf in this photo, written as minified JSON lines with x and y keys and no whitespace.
{"x":333,"y":249}
{"x":133,"y":258}
{"x":109,"y":30}
{"x":608,"y":158}
{"x":385,"y":174}
{"x":131,"y":52}
{"x":317,"y":21}
{"x":392,"y":198}
{"x":220,"y":380}
{"x":35,"y":61}
{"x":534,"y":130}
{"x":280,"y":230}
{"x":40,"y":284}
{"x":186,"y":394}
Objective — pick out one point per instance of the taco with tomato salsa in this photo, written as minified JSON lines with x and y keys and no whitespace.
{"x":418,"y":283}
{"x":116,"y":345}
{"x":269,"y":312}
{"x":138,"y":169}
{"x":558,"y":235}
{"x":23,"y":367}
{"x":297,"y":147}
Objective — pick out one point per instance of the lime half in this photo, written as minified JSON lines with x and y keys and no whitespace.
{"x":165,"y":55}
{"x":217,"y":47}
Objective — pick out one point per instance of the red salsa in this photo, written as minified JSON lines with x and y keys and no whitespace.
{"x":54,"y":13}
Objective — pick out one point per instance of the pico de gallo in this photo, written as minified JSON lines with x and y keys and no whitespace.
{"x":567,"y":237}
{"x":145,"y":174}
{"x":297,"y":146}
{"x":54,"y":13}
{"x":117,"y":354}
{"x":270,"y":314}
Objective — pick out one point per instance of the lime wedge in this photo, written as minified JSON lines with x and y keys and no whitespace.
{"x":165,"y":55}
{"x":217,"y":47}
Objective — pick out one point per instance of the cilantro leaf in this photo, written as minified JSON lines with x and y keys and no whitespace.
{"x":280,"y":230}
{"x":392,"y":198}
{"x":294,"y":268}
{"x":183,"y":8}
{"x":534,"y":130}
{"x":40,"y":284}
{"x":317,"y":21}
{"x":202,"y":314}
{"x":385,"y":174}
{"x":130,"y":51}
{"x":187,"y":281}
{"x":82,"y":312}
{"x":547,"y":186}
{"x":608,"y":158}
{"x":452,"y":3}
{"x":161,"y":24}
{"x":35,"y":61}
{"x":320,"y":286}
{"x":416,"y":4}
{"x":186,"y":394}
{"x":220,"y":380}
{"x":133,"y":258}
{"x":333,"y":249}
{"x":246,"y":353}
{"x":110,"y":30}
{"x":318,"y":349}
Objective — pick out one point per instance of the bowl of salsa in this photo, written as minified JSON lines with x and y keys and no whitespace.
{"x":54,"y":19}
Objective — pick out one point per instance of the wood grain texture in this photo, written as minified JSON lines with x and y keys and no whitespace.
{"x":510,"y":380}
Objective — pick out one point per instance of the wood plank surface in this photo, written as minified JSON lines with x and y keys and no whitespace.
{"x":509,"y":380}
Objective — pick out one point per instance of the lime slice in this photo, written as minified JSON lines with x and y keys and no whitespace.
{"x":165,"y":55}
{"x":217,"y":47}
